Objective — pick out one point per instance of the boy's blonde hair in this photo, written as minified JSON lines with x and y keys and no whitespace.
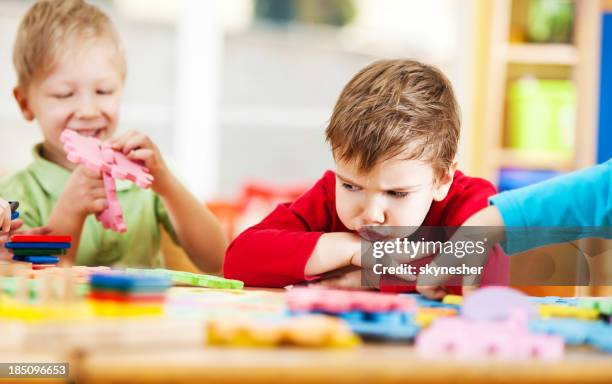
{"x":392,"y":108}
{"x":49,"y":29}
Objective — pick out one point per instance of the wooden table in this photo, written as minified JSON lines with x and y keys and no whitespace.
{"x":370,"y":363}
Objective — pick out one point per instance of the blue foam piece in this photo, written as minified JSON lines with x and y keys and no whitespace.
{"x":37,"y":259}
{"x":569,"y":301}
{"x":12,"y":245}
{"x":601,"y":337}
{"x":127,"y":282}
{"x":14,"y":215}
{"x":422,"y":301}
{"x":397,"y":326}
{"x":573,"y":331}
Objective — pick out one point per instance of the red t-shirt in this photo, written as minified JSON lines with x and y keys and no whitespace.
{"x":274,"y":252}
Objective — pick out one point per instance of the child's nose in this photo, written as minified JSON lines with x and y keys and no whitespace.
{"x":86,"y":108}
{"x":373,"y":212}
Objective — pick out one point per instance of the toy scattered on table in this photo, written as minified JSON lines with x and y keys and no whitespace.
{"x":14,"y":213}
{"x":466,"y":339}
{"x":497,"y":304}
{"x":43,"y":251}
{"x":98,"y":156}
{"x":119,"y":293}
{"x":369,"y":314}
{"x":191,"y":279}
{"x":305,"y":331}
{"x":426,"y":315}
{"x":555,"y":310}
{"x":601,"y":304}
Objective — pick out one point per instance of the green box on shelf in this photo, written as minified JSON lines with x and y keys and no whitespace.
{"x":542,"y":115}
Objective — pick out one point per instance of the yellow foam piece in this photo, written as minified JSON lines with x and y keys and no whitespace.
{"x":117,"y":309}
{"x":306,"y":331}
{"x":554,"y":310}
{"x":453,"y":299}
{"x":425,"y":316}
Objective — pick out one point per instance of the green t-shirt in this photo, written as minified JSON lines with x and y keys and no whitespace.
{"x":37,"y":189}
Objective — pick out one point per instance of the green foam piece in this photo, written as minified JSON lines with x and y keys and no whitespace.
{"x":193,"y":279}
{"x":603,"y":305}
{"x":36,"y":252}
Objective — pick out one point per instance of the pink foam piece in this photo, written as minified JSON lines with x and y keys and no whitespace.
{"x":112,"y":216}
{"x":339,"y":301}
{"x":464,"y":339}
{"x":496,"y":304}
{"x":98,"y":156}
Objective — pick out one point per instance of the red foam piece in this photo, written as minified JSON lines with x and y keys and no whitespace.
{"x":338,"y":301}
{"x":125,"y":298}
{"x":98,"y":156}
{"x":40,"y":239}
{"x":43,"y":266}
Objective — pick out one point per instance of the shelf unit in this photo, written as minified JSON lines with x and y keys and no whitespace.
{"x":502,"y":60}
{"x":501,"y":57}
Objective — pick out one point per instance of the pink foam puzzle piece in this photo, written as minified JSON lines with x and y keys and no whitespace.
{"x":496,"y":304}
{"x":465,"y":339}
{"x":125,"y":168}
{"x":98,"y":156}
{"x":83,"y":150}
{"x":112,"y":216}
{"x":339,"y":301}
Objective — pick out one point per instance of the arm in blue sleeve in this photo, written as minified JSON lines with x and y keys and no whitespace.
{"x":581,"y":200}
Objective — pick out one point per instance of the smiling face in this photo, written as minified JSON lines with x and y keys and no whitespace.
{"x":396,"y":192}
{"x":82,"y":93}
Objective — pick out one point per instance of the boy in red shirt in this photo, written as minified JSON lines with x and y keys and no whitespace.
{"x":393,"y":133}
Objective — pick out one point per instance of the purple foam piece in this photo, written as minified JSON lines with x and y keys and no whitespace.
{"x":498,"y":304}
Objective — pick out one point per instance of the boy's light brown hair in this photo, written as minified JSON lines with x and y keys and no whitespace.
{"x":392,"y":108}
{"x":52,"y":28}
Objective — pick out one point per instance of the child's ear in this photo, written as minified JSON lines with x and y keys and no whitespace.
{"x":22,"y":100}
{"x":442,"y":186}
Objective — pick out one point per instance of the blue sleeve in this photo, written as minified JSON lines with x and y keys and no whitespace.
{"x":581,"y":200}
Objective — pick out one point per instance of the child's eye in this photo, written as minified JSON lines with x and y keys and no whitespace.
{"x":105,"y":91}
{"x":63,"y":95}
{"x":350,"y":187}
{"x":398,"y":195}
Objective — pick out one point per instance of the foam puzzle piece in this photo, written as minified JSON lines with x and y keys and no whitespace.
{"x":426,"y":315}
{"x":130,"y":297}
{"x":465,"y":339}
{"x":112,"y":216}
{"x":573,"y":331}
{"x":38,"y":259}
{"x":100,"y":157}
{"x":601,"y":338}
{"x":601,"y":304}
{"x":192,"y":279}
{"x":40,"y":239}
{"x":453,"y":299}
{"x":571,"y":301}
{"x":554,"y":310}
{"x":128,"y":282}
{"x":12,"y":245}
{"x":339,"y":301}
{"x":398,"y":326}
{"x":305,"y":331}
{"x":497,"y":304}
{"x":423,"y":302}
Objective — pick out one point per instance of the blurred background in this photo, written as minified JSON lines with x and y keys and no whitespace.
{"x":237,"y":93}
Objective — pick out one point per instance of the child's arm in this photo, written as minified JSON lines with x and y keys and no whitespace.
{"x":197,"y":229}
{"x":84,"y":194}
{"x":293,"y":243}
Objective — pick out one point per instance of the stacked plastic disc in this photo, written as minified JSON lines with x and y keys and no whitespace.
{"x":42,"y":251}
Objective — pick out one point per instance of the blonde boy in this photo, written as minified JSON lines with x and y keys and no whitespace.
{"x":71,"y":71}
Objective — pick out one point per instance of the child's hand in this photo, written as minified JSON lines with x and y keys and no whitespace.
{"x":5,"y":216}
{"x":84,"y":193}
{"x":139,"y":147}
